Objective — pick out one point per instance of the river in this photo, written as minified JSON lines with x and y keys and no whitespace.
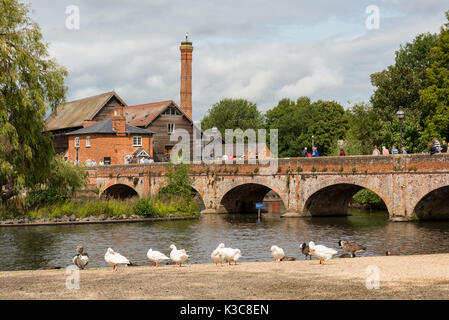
{"x":34,"y":247}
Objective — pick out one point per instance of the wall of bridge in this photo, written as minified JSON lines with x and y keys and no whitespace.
{"x":307,"y":186}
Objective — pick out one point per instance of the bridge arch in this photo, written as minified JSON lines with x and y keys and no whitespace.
{"x":242,"y":198}
{"x":434,"y":205}
{"x":119,"y":191}
{"x":334,"y":199}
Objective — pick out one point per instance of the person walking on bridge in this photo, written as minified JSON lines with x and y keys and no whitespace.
{"x":304,"y":152}
{"x":385,"y":151}
{"x":376,"y":151}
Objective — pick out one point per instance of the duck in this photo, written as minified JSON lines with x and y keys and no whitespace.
{"x":178,"y":256}
{"x":351,"y":247}
{"x":217,"y":255}
{"x":277,"y":253}
{"x":81,"y":259}
{"x":321,"y":252}
{"x":305,"y":250}
{"x":115,"y":258}
{"x":230,"y":254}
{"x":156,"y":256}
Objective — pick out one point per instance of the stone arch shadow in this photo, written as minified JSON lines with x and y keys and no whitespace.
{"x":118,"y":191}
{"x":434,"y":205}
{"x":243,"y":197}
{"x":333,"y":200}
{"x":198,"y":198}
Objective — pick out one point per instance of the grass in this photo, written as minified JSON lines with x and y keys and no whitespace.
{"x":146,"y":207}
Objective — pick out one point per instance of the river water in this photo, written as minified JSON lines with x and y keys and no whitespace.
{"x":25,"y":248}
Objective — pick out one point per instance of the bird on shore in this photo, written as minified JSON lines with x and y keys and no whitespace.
{"x":277,"y":253}
{"x":285,"y":258}
{"x":217,"y":256}
{"x":351,"y":247}
{"x":230,"y":254}
{"x":81,"y":259}
{"x":305,"y":250}
{"x":321,"y":252}
{"x":346,"y":255}
{"x":115,"y":258}
{"x":178,"y":256}
{"x":156,"y":257}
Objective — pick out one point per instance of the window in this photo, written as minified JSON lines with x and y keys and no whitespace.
{"x":77,"y":142}
{"x":87,"y":142}
{"x":137,"y":141}
{"x":171,"y":127}
{"x":170,"y":111}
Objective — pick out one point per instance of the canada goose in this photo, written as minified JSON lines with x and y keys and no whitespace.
{"x":305,"y":250}
{"x":351,"y":246}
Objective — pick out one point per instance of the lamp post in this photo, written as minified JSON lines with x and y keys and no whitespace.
{"x":313,"y":144}
{"x":400,"y":114}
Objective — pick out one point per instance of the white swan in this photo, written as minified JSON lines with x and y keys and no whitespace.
{"x":114,"y":258}
{"x":178,"y":256}
{"x":217,"y":255}
{"x":321,"y":252}
{"x":156,"y":256}
{"x":277,"y":253}
{"x":230,"y":254}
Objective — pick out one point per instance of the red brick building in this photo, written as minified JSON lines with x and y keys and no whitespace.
{"x":110,"y":141}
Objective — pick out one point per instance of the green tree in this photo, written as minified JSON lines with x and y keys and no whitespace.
{"x":435,"y":96}
{"x":233,"y":114}
{"x":30,"y":83}
{"x":178,"y":181}
{"x":399,"y":86}
{"x":297,"y":122}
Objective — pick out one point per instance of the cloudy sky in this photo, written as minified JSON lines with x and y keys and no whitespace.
{"x":259,"y":50}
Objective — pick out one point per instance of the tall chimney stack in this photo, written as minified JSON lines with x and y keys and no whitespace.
{"x":186,"y":76}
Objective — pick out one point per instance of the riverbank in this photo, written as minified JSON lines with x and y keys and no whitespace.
{"x":401,"y":277}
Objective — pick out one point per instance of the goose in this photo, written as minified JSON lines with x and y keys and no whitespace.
{"x":321,"y":252}
{"x":217,"y":255}
{"x":305,"y":250}
{"x":115,"y":258}
{"x":351,"y":247}
{"x":277,"y":253}
{"x":81,"y":259}
{"x":156,"y":257}
{"x":178,"y":256}
{"x":230,"y":254}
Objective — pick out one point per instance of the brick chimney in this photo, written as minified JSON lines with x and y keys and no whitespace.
{"x":119,"y":122}
{"x":186,"y":76}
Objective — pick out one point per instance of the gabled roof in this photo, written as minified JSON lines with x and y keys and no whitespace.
{"x":140,"y":153}
{"x":72,"y":114}
{"x":105,"y":126}
{"x":142,"y":115}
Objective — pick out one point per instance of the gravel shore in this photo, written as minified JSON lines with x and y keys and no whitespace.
{"x":401,"y":277}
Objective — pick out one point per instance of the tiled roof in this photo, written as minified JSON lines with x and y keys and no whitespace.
{"x":105,"y":126}
{"x":72,"y":114}
{"x":142,"y":115}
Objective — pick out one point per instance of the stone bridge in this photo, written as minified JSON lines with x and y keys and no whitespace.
{"x":411,"y":186}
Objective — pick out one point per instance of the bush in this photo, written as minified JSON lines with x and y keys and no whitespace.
{"x":145,"y":207}
{"x":368,"y":198}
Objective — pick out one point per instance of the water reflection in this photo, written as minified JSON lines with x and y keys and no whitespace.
{"x":36,"y":247}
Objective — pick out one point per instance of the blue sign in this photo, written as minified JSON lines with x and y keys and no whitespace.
{"x":259,"y":205}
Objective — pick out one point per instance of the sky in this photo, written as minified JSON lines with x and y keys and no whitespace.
{"x":262,"y":51}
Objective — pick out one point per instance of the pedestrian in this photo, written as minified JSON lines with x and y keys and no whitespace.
{"x":376,"y":151}
{"x":394,"y":150}
{"x":432,"y":148}
{"x":342,"y":152}
{"x":385,"y":151}
{"x":444,"y":147}
{"x":436,"y":145}
{"x":403,"y":151}
{"x":315,"y":152}
{"x":304,"y":152}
